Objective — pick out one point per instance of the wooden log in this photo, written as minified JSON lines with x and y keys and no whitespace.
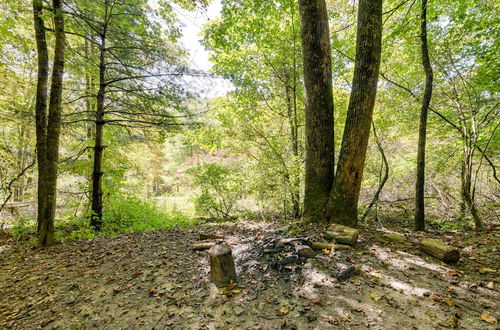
{"x":329,"y":246}
{"x":347,"y":273}
{"x":342,"y":234}
{"x":210,"y":236}
{"x":394,"y":237}
{"x":440,"y":250}
{"x":203,"y":245}
{"x":222,"y":270}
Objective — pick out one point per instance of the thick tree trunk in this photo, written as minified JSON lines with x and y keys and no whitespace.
{"x":41,"y":105}
{"x":422,"y":132}
{"x":48,"y":129}
{"x":343,"y":203}
{"x":320,"y":153}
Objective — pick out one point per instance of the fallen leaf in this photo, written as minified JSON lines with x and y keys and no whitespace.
{"x":449,"y":301}
{"x":450,"y":322}
{"x":484,"y":270}
{"x":488,"y":318}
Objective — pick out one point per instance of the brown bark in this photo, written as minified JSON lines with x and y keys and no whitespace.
{"x":222,"y":269}
{"x":320,"y":153}
{"x":422,"y":132}
{"x":342,"y":206}
{"x":48,"y":128}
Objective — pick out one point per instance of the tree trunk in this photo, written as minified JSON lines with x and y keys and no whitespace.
{"x":383,"y":180}
{"x":342,"y":207}
{"x":97,"y":193}
{"x":466,"y":190}
{"x":320,"y":151}
{"x":295,"y":183}
{"x":96,"y":218}
{"x":422,"y":132}
{"x":46,"y":232}
{"x":41,"y":105}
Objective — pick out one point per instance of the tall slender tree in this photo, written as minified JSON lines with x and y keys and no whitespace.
{"x":343,"y":203}
{"x":136,"y":65}
{"x":48,"y":125}
{"x":320,"y":153}
{"x":422,"y":131}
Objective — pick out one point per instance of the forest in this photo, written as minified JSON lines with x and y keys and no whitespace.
{"x":249,"y":164}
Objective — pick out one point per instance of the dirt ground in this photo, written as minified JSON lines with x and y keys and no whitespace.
{"x":155,"y":281}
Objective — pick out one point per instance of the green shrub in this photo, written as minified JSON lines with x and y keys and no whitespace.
{"x":130,"y":214}
{"x":221,"y":188}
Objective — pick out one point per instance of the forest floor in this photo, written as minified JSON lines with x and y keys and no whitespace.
{"x":155,"y":281}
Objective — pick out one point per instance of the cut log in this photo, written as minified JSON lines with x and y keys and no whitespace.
{"x":210,"y":236}
{"x":203,"y":245}
{"x":222,"y":270}
{"x":328,"y":246}
{"x":342,"y":234}
{"x":440,"y":250}
{"x":348,"y":273}
{"x":394,"y":237}
{"x":305,"y":251}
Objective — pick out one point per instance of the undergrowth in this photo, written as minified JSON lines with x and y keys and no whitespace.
{"x":122,"y":214}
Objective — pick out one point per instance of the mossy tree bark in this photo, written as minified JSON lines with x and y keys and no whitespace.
{"x":320,"y":155}
{"x":342,"y":206}
{"x":422,"y":132}
{"x":48,"y":127}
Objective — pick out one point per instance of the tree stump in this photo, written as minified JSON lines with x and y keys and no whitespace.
{"x":222,"y":270}
{"x":440,"y":250}
{"x":342,"y":234}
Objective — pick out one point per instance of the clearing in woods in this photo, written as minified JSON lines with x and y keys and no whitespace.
{"x":156,"y":281}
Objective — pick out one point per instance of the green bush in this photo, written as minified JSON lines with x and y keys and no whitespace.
{"x":130,"y":214}
{"x":221,"y":188}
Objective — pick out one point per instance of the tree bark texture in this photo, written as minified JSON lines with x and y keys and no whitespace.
{"x":41,"y":104}
{"x":48,"y":128}
{"x":342,"y":206}
{"x":222,"y":269}
{"x":422,"y":132}
{"x":97,"y":193}
{"x":440,"y":250}
{"x":320,"y":153}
